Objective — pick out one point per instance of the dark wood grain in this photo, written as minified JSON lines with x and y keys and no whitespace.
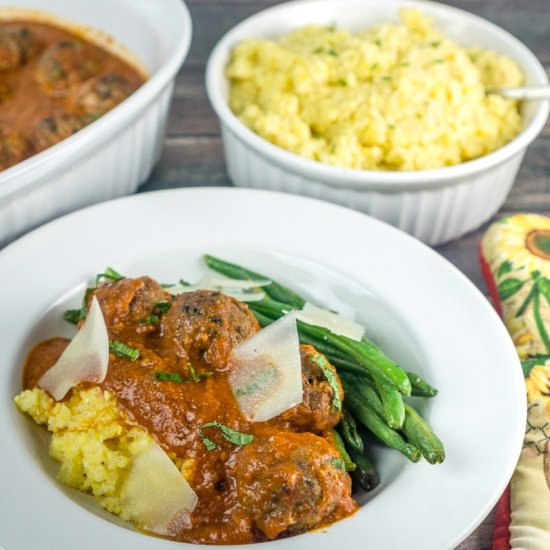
{"x":193,"y":154}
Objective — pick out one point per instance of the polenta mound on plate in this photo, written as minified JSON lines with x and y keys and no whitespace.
{"x":400,"y":96}
{"x":94,"y":442}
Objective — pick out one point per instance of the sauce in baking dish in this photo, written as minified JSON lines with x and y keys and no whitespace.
{"x":52,"y":84}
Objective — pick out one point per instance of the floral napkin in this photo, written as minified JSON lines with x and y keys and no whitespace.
{"x":515,"y":258}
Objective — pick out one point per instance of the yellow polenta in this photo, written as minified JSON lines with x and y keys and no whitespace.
{"x":400,"y":96}
{"x":93,"y":442}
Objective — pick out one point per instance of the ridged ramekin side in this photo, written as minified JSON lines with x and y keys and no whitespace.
{"x":434,"y":216}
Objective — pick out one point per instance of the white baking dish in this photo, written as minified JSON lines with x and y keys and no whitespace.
{"x":433,"y":205}
{"x":115,"y":154}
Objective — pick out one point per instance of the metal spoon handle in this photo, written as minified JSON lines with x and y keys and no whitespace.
{"x":527,"y":93}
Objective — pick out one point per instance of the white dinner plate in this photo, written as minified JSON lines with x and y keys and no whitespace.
{"x":422,"y":311}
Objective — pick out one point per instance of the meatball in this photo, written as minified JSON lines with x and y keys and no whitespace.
{"x":5,"y":91}
{"x":17,"y":45}
{"x":291,"y":482}
{"x":13,"y":148}
{"x":318,"y":411}
{"x":63,"y":64}
{"x":129,"y":302}
{"x":53,"y":129}
{"x":99,"y":95}
{"x":205,"y":325}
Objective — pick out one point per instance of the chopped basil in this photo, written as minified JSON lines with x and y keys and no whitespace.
{"x":338,"y":463}
{"x":196,"y":376}
{"x":170,"y":376}
{"x":73,"y":316}
{"x":342,"y":82}
{"x":330,"y":375}
{"x":237,"y":438}
{"x":151,"y":320}
{"x":92,"y":117}
{"x":122,"y":350}
{"x":318,"y":50}
{"x":109,"y":275}
{"x":435,"y":43}
{"x":163,"y":306}
{"x":332,"y":52}
{"x":174,"y":377}
{"x":374,"y":66}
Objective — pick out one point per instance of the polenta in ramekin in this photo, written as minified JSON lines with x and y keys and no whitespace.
{"x":398,"y":96}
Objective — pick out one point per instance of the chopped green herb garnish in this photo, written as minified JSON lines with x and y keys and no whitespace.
{"x":378,"y":42}
{"x":316,"y":136}
{"x":109,"y":275}
{"x":169,"y":376}
{"x":318,"y":50}
{"x":122,"y":350}
{"x":333,"y":52}
{"x":174,"y":377}
{"x":163,"y":306}
{"x":374,"y":66}
{"x":338,"y":463}
{"x":435,"y":43}
{"x":196,"y":376}
{"x":330,"y":375}
{"x":391,"y":126}
{"x":73,"y":316}
{"x":439,"y":60}
{"x":151,"y":320}
{"x":237,"y":438}
{"x":92,"y":117}
{"x":386,"y":77}
{"x":405,"y":63}
{"x":342,"y":82}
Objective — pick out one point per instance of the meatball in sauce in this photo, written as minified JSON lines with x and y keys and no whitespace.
{"x":285,"y":481}
{"x":53,"y":83}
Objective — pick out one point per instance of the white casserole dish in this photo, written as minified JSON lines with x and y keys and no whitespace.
{"x":433,"y":205}
{"x":115,"y":154}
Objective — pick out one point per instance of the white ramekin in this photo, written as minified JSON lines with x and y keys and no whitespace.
{"x":115,"y":154}
{"x":433,"y":205}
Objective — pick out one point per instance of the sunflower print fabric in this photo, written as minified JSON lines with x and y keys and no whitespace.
{"x":515,"y":257}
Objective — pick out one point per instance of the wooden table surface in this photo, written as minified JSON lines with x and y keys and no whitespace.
{"x":193,"y":152}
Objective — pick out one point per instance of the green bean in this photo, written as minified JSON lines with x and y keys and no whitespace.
{"x":394,"y":408}
{"x":274,"y":290}
{"x":367,"y":392}
{"x":348,"y":430}
{"x":262,"y":319}
{"x":364,"y":474}
{"x":420,"y":434}
{"x":387,"y":403}
{"x":420,"y":387}
{"x":376,"y":424}
{"x":341,"y":448}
